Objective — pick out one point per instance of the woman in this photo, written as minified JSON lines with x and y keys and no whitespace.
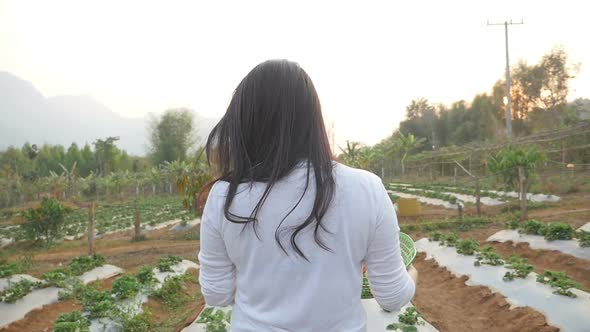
{"x":286,"y":230}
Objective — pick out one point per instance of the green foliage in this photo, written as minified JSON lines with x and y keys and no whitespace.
{"x":215,"y":320}
{"x":558,"y":280}
{"x":488,"y":256}
{"x":366,"y":289}
{"x":584,"y":237}
{"x":519,"y":266}
{"x":146,"y":276}
{"x":97,"y":303}
{"x":407,"y":321}
{"x":126,"y":287}
{"x":533,"y":227}
{"x":16,"y":267}
{"x":402,"y":327}
{"x":57,"y":277}
{"x":559,"y":231}
{"x":506,"y":162}
{"x":171,"y":292}
{"x":44,"y":222}
{"x":18,"y":290}
{"x":171,"y":135}
{"x":71,"y":322}
{"x":450,"y":239}
{"x":82,"y":264}
{"x":512,"y":224}
{"x":165,"y":264}
{"x":435,"y":236}
{"x":467,"y":246}
{"x":142,"y":322}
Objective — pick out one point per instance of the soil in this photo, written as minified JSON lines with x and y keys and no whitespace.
{"x":41,"y":320}
{"x":447,"y":303}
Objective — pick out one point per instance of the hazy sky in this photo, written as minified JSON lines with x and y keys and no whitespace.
{"x":368,"y":59}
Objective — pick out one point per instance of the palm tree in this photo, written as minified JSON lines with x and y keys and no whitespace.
{"x":407,"y":144}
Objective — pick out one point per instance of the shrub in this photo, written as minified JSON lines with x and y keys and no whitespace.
{"x":126,"y":286}
{"x":45,"y":222}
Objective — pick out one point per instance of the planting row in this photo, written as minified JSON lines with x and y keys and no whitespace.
{"x":152,"y":211}
{"x":21,"y":293}
{"x":553,"y":293}
{"x":548,"y":236}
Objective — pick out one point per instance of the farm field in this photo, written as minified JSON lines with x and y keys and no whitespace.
{"x":470,"y":304}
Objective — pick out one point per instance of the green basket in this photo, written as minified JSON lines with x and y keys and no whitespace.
{"x":408,"y":248}
{"x":408,"y":255}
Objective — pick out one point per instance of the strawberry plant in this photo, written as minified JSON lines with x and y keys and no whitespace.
{"x":407,"y":321}
{"x":97,"y":303}
{"x":519,"y":267}
{"x":171,"y":292}
{"x":366,"y":289}
{"x":71,"y":322}
{"x":450,"y":239}
{"x":435,"y":236}
{"x":584,"y":237}
{"x":512,"y":224}
{"x":215,"y":320}
{"x":9,"y":268}
{"x":82,"y":264}
{"x":165,"y":264}
{"x":18,"y":290}
{"x":558,"y":280}
{"x":146,"y":276}
{"x":57,"y":277}
{"x":141,"y":322}
{"x":559,"y":231}
{"x":533,"y":227}
{"x":467,"y":246}
{"x":488,"y":256}
{"x":126,"y":287}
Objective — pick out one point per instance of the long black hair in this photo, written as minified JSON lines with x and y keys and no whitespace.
{"x":273,"y":122}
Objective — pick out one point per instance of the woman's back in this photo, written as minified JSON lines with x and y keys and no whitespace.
{"x":276,"y":291}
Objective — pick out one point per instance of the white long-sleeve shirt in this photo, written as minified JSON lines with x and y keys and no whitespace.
{"x":273,"y":291}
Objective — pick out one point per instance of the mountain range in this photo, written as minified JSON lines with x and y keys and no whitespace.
{"x":28,"y":116}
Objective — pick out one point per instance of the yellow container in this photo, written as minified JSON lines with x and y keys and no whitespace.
{"x":408,"y":207}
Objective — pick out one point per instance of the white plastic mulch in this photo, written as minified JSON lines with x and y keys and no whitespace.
{"x":471,"y":199}
{"x":585,"y":227}
{"x":134,"y":306}
{"x":569,"y":314}
{"x":4,"y":242}
{"x":531,"y":197}
{"x":570,"y":247}
{"x":426,"y":200}
{"x":377,"y":319}
{"x":11,"y":312}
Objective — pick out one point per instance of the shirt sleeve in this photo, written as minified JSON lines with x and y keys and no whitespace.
{"x":390,"y":282}
{"x":217,"y":274}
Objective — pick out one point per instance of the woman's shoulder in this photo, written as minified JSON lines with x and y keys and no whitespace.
{"x":354,"y":176}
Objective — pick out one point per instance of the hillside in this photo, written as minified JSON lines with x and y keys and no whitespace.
{"x":27,"y":116}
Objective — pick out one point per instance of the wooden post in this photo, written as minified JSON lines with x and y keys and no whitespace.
{"x":477,"y":197}
{"x":523,"y":193}
{"x":137,"y":223}
{"x":460,"y":210}
{"x":91,"y":220}
{"x":455,"y":175}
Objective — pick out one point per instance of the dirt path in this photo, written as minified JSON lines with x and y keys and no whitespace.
{"x":447,"y":303}
{"x":41,"y":320}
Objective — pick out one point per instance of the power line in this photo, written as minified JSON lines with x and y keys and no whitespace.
{"x":508,"y":96}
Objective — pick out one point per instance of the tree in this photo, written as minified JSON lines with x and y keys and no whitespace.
{"x":407,"y":144}
{"x":171,"y":135}
{"x":45,"y":222}
{"x":517,"y":166}
{"x":106,"y":152}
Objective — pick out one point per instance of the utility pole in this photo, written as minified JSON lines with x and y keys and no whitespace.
{"x":508,"y":96}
